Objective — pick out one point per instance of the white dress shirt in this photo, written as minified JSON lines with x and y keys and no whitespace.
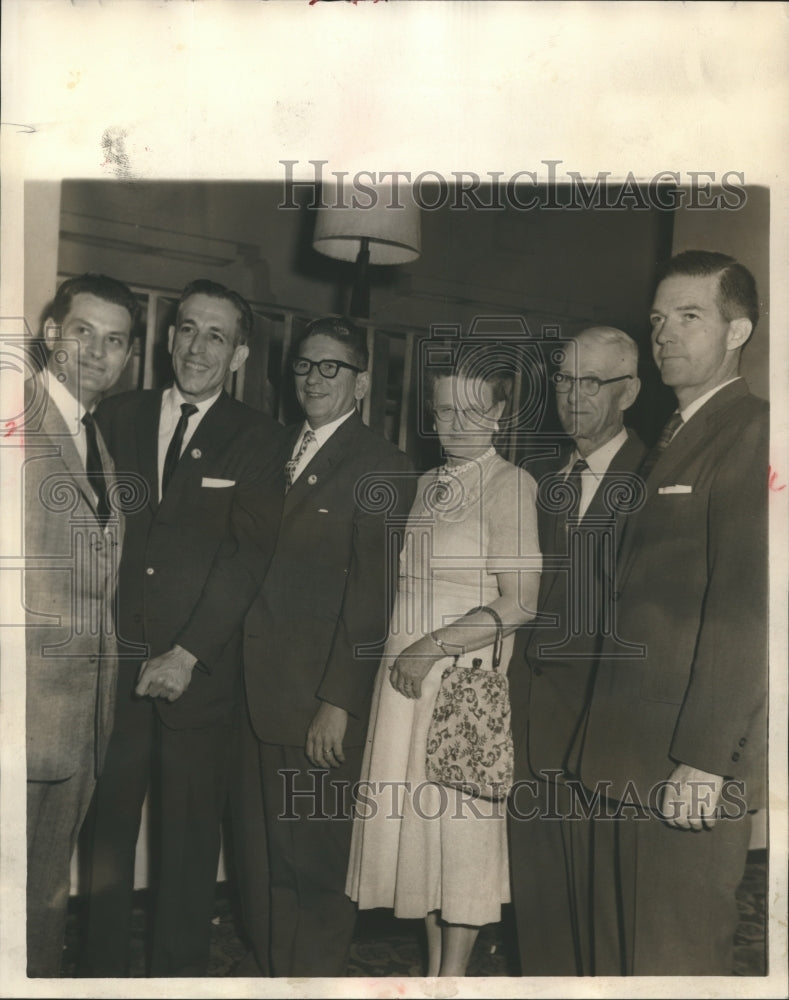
{"x":598,"y":463}
{"x":697,"y":404}
{"x":168,"y":420}
{"x":322,"y":435}
{"x":72,"y":411}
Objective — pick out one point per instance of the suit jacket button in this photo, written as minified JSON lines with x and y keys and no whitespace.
{"x":616,"y":595}
{"x":150,"y":571}
{"x":537,"y":671}
{"x":735,"y":756}
{"x":743,"y":741}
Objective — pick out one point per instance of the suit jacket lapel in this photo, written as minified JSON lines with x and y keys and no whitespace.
{"x":148,"y":444}
{"x":626,"y":459}
{"x":693,"y":433}
{"x":208,"y":438}
{"x":322,"y":463}
{"x":54,"y":426}
{"x":688,"y":439}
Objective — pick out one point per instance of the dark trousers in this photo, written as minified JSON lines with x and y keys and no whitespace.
{"x":250,"y":851}
{"x":630,"y":895}
{"x":678,"y":894}
{"x":190,"y":767}
{"x":562,"y":865}
{"x":309,"y":838}
{"x":55,"y":811}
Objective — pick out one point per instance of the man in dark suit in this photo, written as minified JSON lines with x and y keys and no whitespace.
{"x":579,"y":520}
{"x":678,"y":726}
{"x":327,"y":595}
{"x":72,"y":534}
{"x":194,"y":555}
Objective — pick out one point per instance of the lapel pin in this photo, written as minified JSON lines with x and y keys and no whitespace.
{"x":196,"y":453}
{"x":312,"y":480}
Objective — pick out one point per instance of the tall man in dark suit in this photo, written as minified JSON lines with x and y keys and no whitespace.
{"x":679,"y":724}
{"x":72,"y":534}
{"x":327,"y":595}
{"x":193,"y":558}
{"x":551,"y":860}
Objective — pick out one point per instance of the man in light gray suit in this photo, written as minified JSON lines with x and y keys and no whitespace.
{"x":72,"y":538}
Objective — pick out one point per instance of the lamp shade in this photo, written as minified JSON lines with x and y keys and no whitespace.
{"x":393,"y":233}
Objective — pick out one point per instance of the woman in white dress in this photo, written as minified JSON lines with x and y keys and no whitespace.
{"x":421,"y":848}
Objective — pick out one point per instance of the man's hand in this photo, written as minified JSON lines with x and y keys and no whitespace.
{"x":409,"y":670}
{"x":166,"y":676}
{"x":691,"y":798}
{"x":325,"y":736}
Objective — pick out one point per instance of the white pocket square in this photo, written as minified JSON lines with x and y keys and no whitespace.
{"x":675,"y":489}
{"x":217,"y":484}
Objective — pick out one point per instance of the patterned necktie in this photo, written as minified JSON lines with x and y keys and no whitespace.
{"x":95,"y":469}
{"x":292,"y":464}
{"x":574,"y":482}
{"x":176,"y":443}
{"x":675,"y":421}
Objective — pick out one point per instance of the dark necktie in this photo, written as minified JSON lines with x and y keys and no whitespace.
{"x":675,"y":421}
{"x":292,"y":464}
{"x":574,"y":482}
{"x":95,"y":469}
{"x":176,"y":443}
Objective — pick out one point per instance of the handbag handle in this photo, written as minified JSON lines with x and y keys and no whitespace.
{"x":499,"y":640}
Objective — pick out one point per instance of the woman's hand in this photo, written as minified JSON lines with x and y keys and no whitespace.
{"x":410,"y":669}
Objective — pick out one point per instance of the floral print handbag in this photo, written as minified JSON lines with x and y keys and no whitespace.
{"x":469,"y":740}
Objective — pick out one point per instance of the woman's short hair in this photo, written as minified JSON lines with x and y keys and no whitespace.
{"x":473,"y":367}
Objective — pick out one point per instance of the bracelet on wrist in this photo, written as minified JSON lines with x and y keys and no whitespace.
{"x":454,"y":648}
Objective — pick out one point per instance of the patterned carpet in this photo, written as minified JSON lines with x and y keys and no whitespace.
{"x":385,"y":947}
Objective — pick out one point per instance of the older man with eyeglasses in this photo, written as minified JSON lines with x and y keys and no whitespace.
{"x":552,"y":847}
{"x":309,"y":678}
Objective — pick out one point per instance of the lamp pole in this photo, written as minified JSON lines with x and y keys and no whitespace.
{"x":360,"y":295}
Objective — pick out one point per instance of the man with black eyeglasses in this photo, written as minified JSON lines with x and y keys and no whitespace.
{"x":553,"y":853}
{"x":327,"y":595}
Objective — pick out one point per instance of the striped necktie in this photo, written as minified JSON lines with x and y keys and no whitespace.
{"x":675,"y":421}
{"x":292,"y":464}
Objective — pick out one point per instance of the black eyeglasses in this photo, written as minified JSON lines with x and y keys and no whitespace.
{"x":588,"y":384}
{"x":328,"y":367}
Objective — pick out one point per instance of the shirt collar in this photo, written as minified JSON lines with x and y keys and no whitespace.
{"x":69,"y":407}
{"x":599,"y":460}
{"x":697,"y":404}
{"x":322,"y":434}
{"x":172,"y":400}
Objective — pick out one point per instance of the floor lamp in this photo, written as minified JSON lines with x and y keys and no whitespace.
{"x":388,"y":232}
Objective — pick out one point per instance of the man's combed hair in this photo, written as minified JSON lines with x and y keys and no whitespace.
{"x":215,"y":290}
{"x":341,"y":329}
{"x":100,"y":285}
{"x":737,"y":294}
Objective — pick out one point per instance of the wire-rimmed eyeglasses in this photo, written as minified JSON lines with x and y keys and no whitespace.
{"x":328,"y":367}
{"x":588,"y":384}
{"x":471,"y":413}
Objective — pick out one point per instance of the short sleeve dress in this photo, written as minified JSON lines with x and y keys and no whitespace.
{"x":418,"y":846}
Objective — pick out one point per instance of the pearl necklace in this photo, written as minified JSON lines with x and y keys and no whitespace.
{"x":451,"y":471}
